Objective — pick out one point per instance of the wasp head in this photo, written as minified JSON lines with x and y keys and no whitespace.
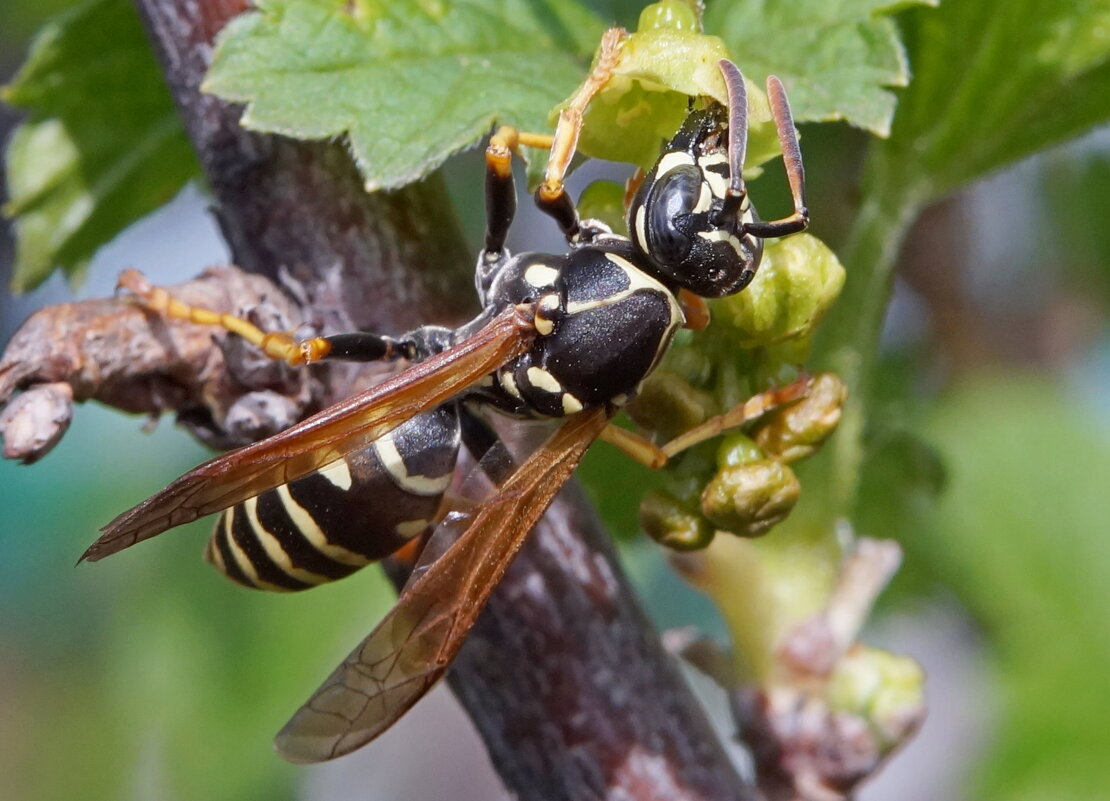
{"x":688,"y":217}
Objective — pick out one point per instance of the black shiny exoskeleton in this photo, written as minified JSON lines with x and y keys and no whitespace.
{"x":605,"y":313}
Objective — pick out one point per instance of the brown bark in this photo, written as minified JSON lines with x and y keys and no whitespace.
{"x":563,"y":675}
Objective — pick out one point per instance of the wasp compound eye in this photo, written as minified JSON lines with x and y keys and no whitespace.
{"x":674,"y":198}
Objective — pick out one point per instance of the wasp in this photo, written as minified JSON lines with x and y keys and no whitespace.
{"x":568,"y":337}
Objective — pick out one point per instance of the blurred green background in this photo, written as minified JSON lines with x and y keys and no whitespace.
{"x":150,"y":677}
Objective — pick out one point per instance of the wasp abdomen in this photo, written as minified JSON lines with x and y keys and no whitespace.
{"x":357,"y":510}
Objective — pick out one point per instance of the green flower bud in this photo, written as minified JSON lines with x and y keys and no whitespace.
{"x":669,"y":522}
{"x":750,"y":499}
{"x":737,"y":449}
{"x":885,"y":690}
{"x":798,"y":280}
{"x":673,"y":14}
{"x":796,"y":431}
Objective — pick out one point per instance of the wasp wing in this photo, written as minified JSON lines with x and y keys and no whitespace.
{"x":416,"y":642}
{"x":313,"y":443}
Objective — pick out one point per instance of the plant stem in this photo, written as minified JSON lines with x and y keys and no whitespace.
{"x":848,"y":343}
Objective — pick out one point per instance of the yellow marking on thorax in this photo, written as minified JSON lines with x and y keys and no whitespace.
{"x":411,"y":528}
{"x":541,"y":275}
{"x":637,"y":280}
{"x":541,"y":379}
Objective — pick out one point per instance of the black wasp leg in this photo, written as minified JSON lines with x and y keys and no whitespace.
{"x":362,"y":346}
{"x":795,"y":173}
{"x":359,"y":346}
{"x":552,"y":197}
{"x":500,"y":191}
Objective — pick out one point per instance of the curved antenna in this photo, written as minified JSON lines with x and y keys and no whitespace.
{"x":737,"y":125}
{"x":788,"y":137}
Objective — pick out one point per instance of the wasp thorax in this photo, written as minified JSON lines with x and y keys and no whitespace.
{"x":682,"y":219}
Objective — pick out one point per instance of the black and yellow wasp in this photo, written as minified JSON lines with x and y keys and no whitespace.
{"x":560,"y":336}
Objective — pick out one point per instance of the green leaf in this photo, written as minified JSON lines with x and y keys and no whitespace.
{"x":103,"y":146}
{"x":409,"y":83}
{"x":994,"y":83}
{"x":835,"y":59}
{"x":649,"y":94}
{"x":1020,"y":535}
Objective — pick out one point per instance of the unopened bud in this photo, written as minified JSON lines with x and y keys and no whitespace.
{"x":669,"y":522}
{"x":750,"y":499}
{"x":795,"y":431}
{"x":796,"y":283}
{"x":884,"y":689}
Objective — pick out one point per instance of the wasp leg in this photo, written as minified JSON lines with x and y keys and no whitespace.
{"x":795,"y":173}
{"x":500,"y":190}
{"x":359,"y":346}
{"x":743,"y":413}
{"x":634,"y":445}
{"x":551,"y":197}
{"x":655,"y":456}
{"x":694,"y":309}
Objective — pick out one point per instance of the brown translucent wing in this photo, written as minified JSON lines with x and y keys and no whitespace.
{"x":416,"y":642}
{"x":313,"y":443}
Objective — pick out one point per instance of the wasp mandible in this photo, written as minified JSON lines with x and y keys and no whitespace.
{"x":569,"y":336}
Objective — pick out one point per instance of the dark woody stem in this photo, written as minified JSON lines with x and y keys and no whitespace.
{"x":563,"y":675}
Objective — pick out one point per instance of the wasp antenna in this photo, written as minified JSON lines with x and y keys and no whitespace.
{"x":788,"y":138}
{"x":737,"y":125}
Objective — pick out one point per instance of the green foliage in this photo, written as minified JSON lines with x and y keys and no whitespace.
{"x":995,"y":82}
{"x":1076,"y":198}
{"x":1020,"y":535}
{"x":103,"y":146}
{"x":153,"y":675}
{"x":409,"y":83}
{"x":836,"y":59}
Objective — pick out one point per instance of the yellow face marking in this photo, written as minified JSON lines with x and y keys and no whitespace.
{"x":717,"y":182}
{"x":724,"y":236}
{"x":338,"y":473}
{"x":571,"y":404}
{"x":418,"y":485}
{"x":312,"y":532}
{"x":411,"y":528}
{"x":705,"y":198}
{"x":541,"y":275}
{"x":672,"y":160}
{"x":641,"y":228}
{"x":543,"y":326}
{"x":273,"y":548}
{"x":541,"y":379}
